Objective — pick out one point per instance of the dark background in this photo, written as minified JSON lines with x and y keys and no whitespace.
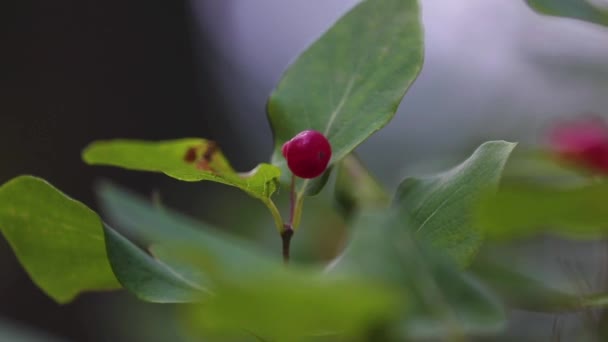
{"x":76,"y":71}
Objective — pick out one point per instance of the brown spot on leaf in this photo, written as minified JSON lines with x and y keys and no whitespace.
{"x":204,"y":165}
{"x":203,"y":162}
{"x":211,"y":150}
{"x":190,"y":155}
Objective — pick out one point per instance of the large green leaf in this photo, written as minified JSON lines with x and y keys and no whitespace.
{"x":440,"y":207}
{"x":442,"y":301}
{"x":251,"y":292}
{"x":161,"y":228}
{"x":577,"y":9}
{"x":149,"y":279}
{"x":190,"y":160}
{"x":59,"y":241}
{"x":525,"y":209}
{"x":349,"y":83}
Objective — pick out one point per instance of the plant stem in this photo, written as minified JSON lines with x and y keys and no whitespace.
{"x":276,"y":215}
{"x":292,"y":200}
{"x":286,"y":237}
{"x":287,"y":232}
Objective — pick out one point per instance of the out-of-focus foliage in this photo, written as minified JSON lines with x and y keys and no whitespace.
{"x":521,"y":210}
{"x":577,"y":9}
{"x":441,"y":301}
{"x":249,"y":291}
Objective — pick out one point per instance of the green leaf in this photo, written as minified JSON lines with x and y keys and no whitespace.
{"x":59,"y":241}
{"x":190,"y":160}
{"x":440,"y":207}
{"x":162,"y":228}
{"x":349,"y":83}
{"x":576,"y":9}
{"x":149,"y":279}
{"x":251,"y":292}
{"x":521,"y":210}
{"x":443,"y":303}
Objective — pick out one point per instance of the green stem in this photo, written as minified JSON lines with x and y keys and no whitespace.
{"x":276,"y":215}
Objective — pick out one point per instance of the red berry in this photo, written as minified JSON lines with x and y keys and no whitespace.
{"x":307,"y":154}
{"x":583,"y":141}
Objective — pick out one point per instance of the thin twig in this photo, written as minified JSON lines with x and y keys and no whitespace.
{"x":287,"y":232}
{"x":286,"y":237}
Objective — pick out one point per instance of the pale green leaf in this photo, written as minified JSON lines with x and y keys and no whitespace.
{"x":440,"y":207}
{"x":189,"y":159}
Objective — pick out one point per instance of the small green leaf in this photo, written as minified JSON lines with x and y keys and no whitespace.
{"x":443,"y":303}
{"x":576,"y":9}
{"x":440,"y":207}
{"x":148,"y":279}
{"x":251,"y":292}
{"x":521,"y":210}
{"x":190,"y":160}
{"x":59,"y":241}
{"x":349,"y":83}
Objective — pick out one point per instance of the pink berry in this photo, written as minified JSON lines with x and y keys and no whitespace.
{"x":307,"y":154}
{"x":583,"y":141}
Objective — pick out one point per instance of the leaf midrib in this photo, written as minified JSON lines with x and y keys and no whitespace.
{"x":338,"y":109}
